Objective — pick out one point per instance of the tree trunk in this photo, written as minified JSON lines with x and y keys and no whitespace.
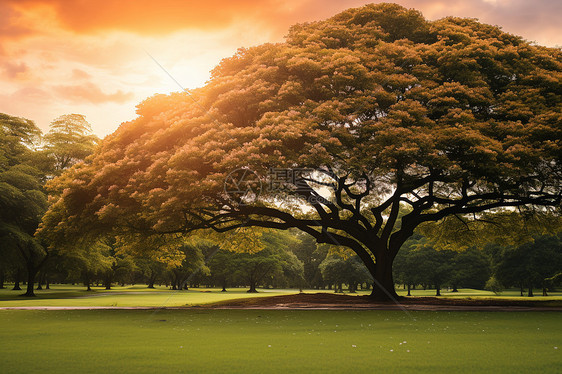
{"x":455,"y":288}
{"x":437,"y":290}
{"x":252,"y":287}
{"x":521,"y":288}
{"x":530,"y":294}
{"x":87,"y":283}
{"x":151,"y":280}
{"x":2,"y":280}
{"x":47,"y":284}
{"x":31,"y":273}
{"x":17,"y":281}
{"x":409,"y":288}
{"x":383,"y":285}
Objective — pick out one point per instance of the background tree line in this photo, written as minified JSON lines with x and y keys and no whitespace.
{"x":534,"y":264}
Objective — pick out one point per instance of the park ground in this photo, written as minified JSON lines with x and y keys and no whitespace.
{"x":196,"y":339}
{"x":259,"y":341}
{"x":140,"y":296}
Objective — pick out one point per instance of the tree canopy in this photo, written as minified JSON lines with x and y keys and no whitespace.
{"x":531,"y":264}
{"x":26,"y":160}
{"x":69,"y":141}
{"x":23,"y":200}
{"x":373,"y":111}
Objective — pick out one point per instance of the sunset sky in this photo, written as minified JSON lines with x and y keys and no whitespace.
{"x":90,"y":57}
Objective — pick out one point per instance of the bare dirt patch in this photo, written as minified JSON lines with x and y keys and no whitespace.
{"x":346,"y":302}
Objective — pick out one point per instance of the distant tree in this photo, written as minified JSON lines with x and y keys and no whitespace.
{"x":252,"y":269}
{"x":311,"y":254}
{"x":24,"y":167}
{"x":344,"y":270}
{"x":494,"y":285}
{"x":469,"y":269}
{"x":3,"y":269}
{"x":292,"y":272}
{"x":69,"y":141}
{"x":508,"y":266}
{"x":192,"y":262}
{"x":88,"y":264}
{"x":435,"y":267}
{"x":222,"y":268}
{"x":151,"y":268}
{"x":467,"y":266}
{"x":17,"y":138}
{"x":531,"y":264}
{"x":124,"y":269}
{"x":22,"y":198}
{"x":407,"y":263}
{"x":273,"y":263}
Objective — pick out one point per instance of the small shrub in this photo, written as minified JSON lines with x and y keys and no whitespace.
{"x":494,"y":285}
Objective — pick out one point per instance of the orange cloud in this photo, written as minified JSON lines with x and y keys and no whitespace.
{"x":78,"y":74}
{"x":148,"y":16}
{"x":14,"y":70}
{"x":91,"y":93}
{"x":11,"y":22}
{"x":534,"y":20}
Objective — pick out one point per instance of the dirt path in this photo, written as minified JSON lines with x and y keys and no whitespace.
{"x":412,"y":307}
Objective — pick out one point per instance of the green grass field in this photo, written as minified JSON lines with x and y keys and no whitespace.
{"x":252,"y":341}
{"x":68,"y":295}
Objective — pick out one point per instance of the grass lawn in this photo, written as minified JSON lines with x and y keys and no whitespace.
{"x":476,"y":294}
{"x":68,"y":295}
{"x":243,"y":341}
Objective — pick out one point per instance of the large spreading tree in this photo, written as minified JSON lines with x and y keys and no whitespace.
{"x":361,"y":127}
